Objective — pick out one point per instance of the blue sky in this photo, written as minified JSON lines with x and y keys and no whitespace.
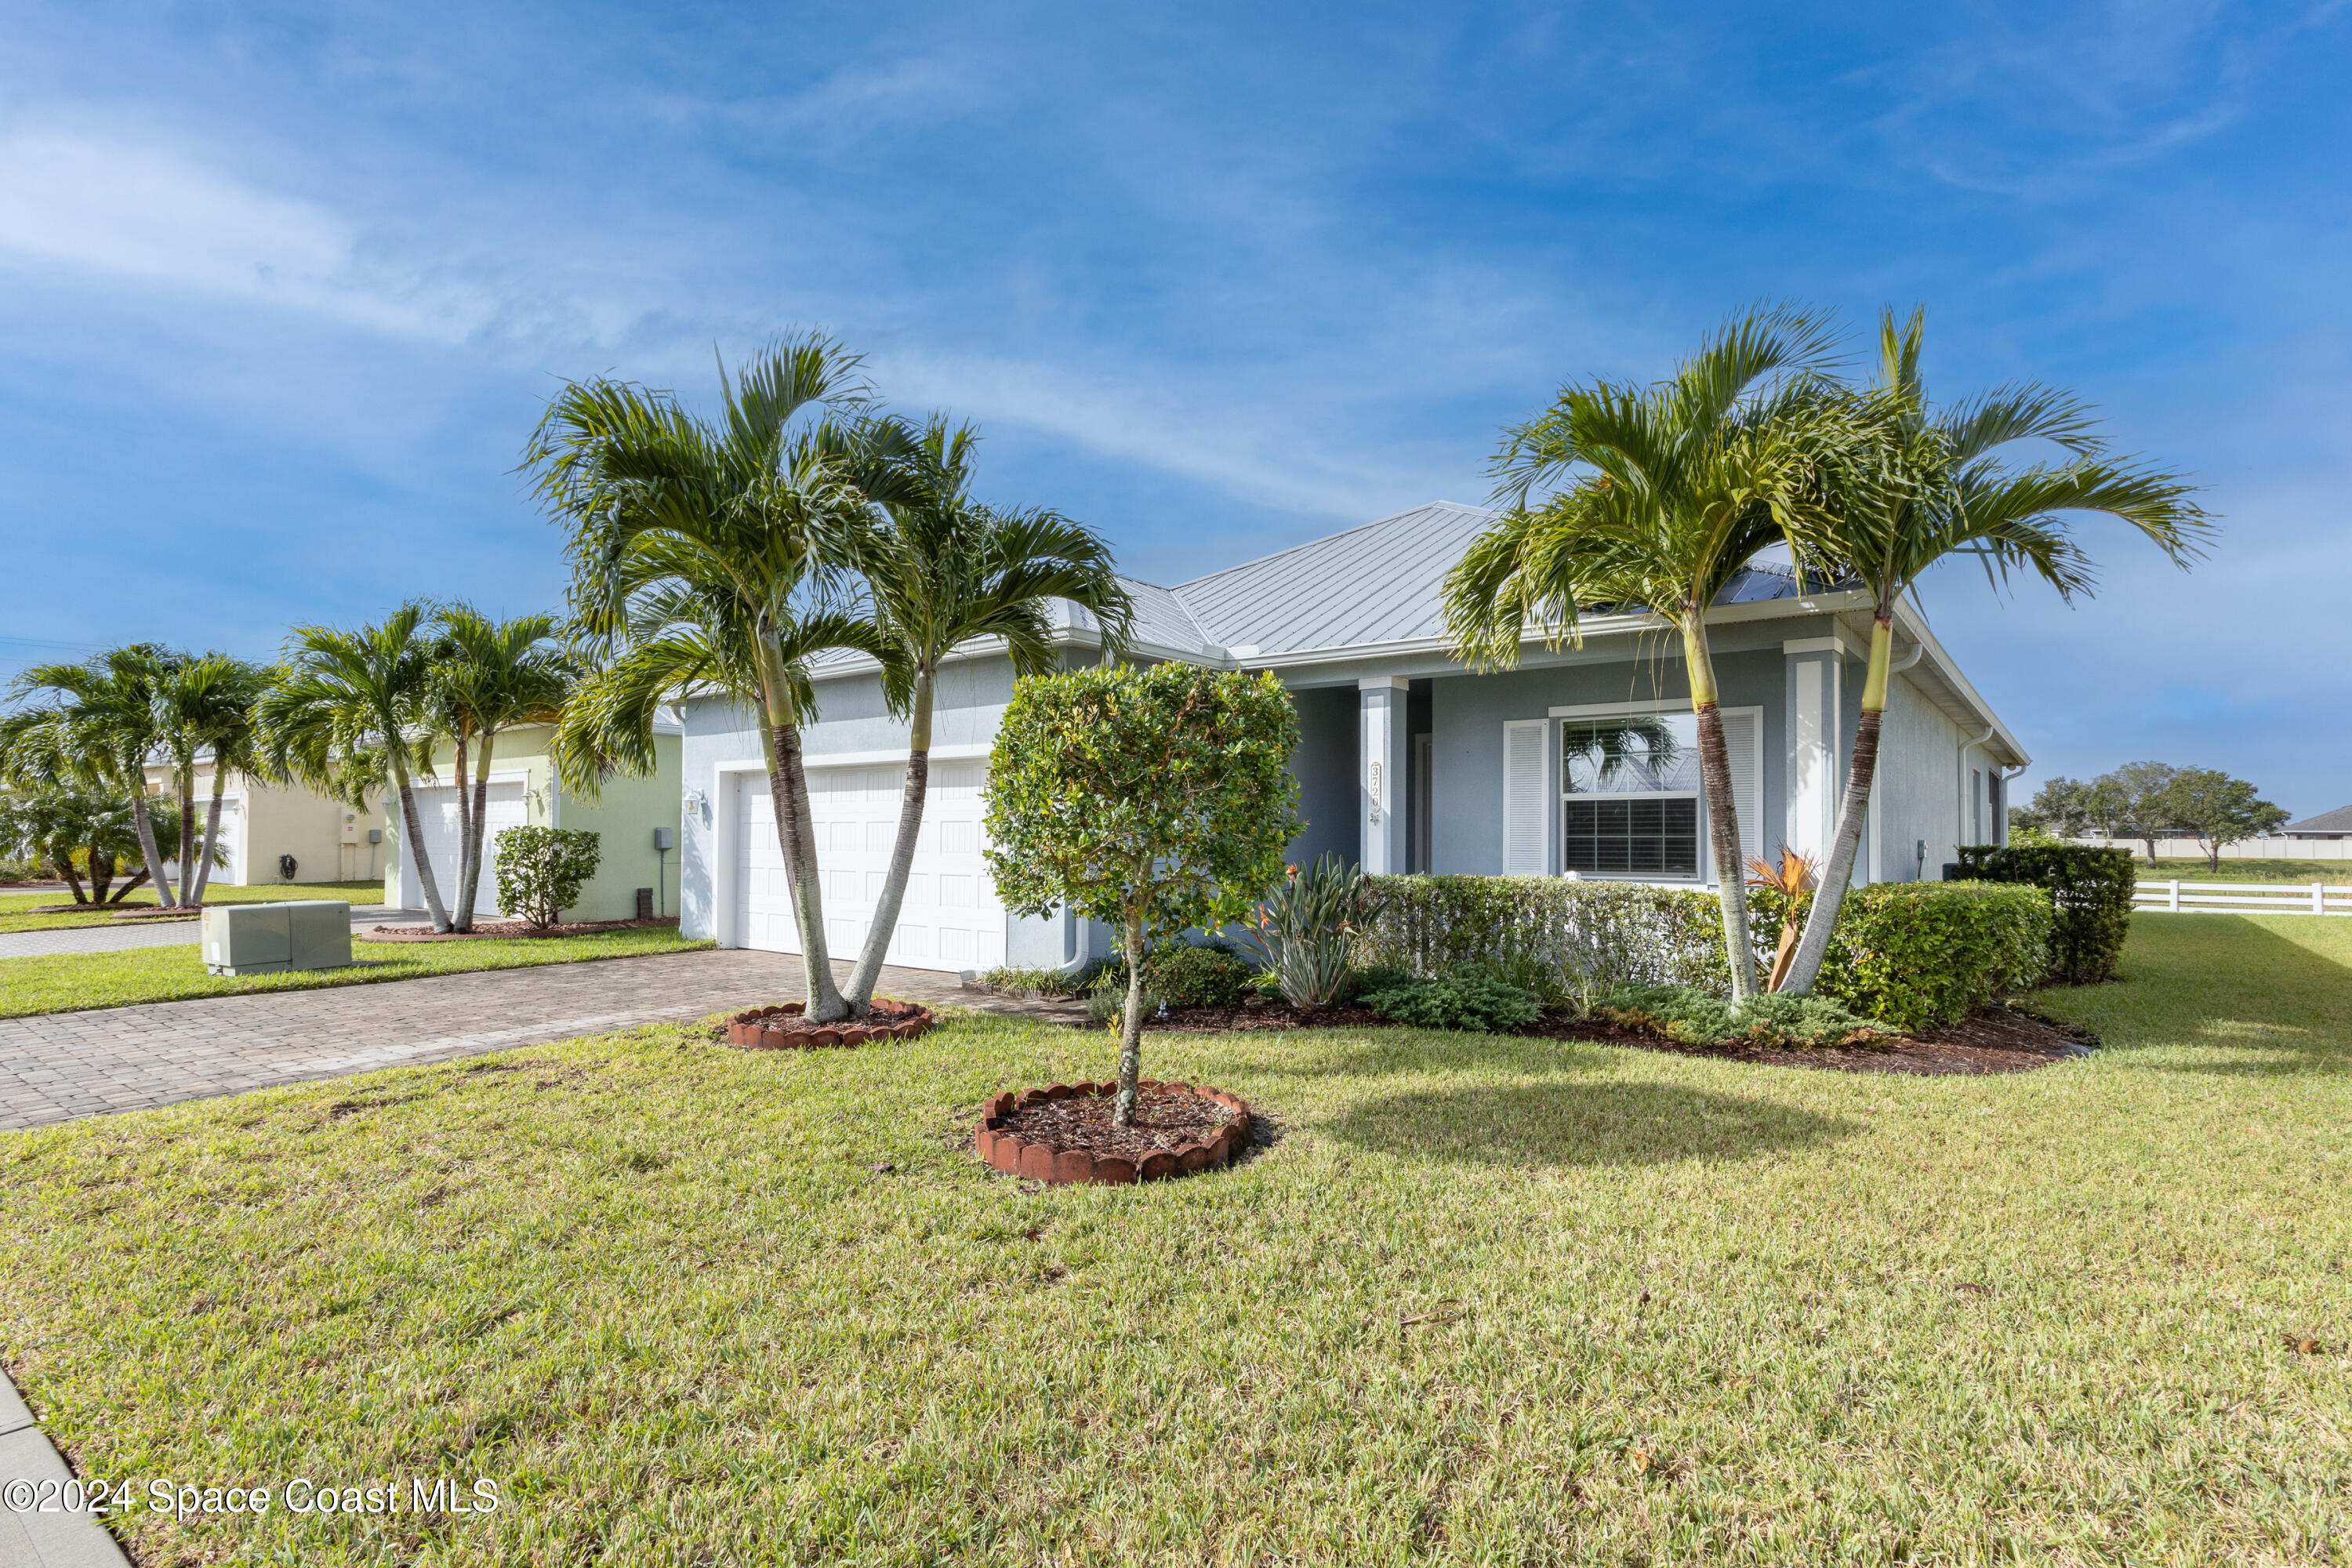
{"x":282,"y":287}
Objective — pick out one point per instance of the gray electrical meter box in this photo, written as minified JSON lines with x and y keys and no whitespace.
{"x":268,"y":938}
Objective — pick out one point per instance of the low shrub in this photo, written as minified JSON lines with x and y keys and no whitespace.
{"x":1696,"y":1018}
{"x":1206,"y":976}
{"x":1916,"y":954}
{"x":1566,"y":941}
{"x":1012,"y":982}
{"x":1466,"y":998}
{"x":2090,"y":890}
{"x":542,"y":869}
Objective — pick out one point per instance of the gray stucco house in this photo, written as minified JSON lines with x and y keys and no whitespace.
{"x":1407,"y":761}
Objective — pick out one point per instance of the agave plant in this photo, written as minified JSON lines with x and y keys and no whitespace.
{"x":1304,"y":929}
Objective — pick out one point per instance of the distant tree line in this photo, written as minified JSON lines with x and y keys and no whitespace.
{"x":2148,"y":800}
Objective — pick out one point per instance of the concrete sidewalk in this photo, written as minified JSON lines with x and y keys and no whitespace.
{"x":32,"y":1474}
{"x":65,"y":1066}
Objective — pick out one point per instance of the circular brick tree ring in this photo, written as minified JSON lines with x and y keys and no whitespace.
{"x":1005,"y":1150}
{"x":786,"y":1028}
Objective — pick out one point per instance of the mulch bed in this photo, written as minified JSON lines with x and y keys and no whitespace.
{"x":786,"y":1027}
{"x":1063,"y":1133}
{"x":508,"y":931}
{"x":2000,"y":1039}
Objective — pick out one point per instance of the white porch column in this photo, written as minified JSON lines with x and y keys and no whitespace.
{"x":1382,"y":821}
{"x":1816,"y":760}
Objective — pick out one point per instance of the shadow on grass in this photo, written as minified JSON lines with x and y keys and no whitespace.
{"x":2250,"y":1001}
{"x":1581,"y":1124}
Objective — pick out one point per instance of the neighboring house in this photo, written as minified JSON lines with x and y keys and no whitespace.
{"x":525,"y":792}
{"x":1407,"y":761}
{"x":2337,"y":824}
{"x":261,"y":823}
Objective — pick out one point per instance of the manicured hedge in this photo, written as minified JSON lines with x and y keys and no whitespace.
{"x":1916,"y":954}
{"x":1907,"y":955}
{"x":1559,"y":938}
{"x":2091,"y":889}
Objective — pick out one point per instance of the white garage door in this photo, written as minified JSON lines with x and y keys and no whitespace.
{"x":950,"y":919}
{"x":436,"y":815}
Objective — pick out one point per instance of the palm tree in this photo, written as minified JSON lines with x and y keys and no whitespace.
{"x":204,"y":705}
{"x":945,"y":572}
{"x":348,"y":708}
{"x":1667,"y":491}
{"x":1927,"y":486}
{"x":98,"y":729}
{"x":489,"y":676}
{"x":716,"y":548}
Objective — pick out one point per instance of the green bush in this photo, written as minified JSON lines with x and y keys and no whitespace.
{"x":1012,"y":982}
{"x":1566,"y":941}
{"x":1696,"y":1018}
{"x":2090,"y":889}
{"x":1466,"y":998}
{"x":1186,"y":976}
{"x":1916,"y":954}
{"x":542,"y":869}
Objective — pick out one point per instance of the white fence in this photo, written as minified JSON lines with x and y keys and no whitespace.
{"x":2177,"y":897}
{"x":2245,"y":849}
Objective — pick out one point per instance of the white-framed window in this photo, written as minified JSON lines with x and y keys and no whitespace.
{"x":1630,"y":795}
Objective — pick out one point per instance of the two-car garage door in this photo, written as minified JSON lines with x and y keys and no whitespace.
{"x":950,"y":919}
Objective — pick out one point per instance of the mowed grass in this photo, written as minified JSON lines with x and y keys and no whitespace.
{"x":2303,"y":872}
{"x":15,"y":918}
{"x":1486,"y":1300}
{"x":70,"y":982}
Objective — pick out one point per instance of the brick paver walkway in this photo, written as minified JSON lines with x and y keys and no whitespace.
{"x":70,"y":1065}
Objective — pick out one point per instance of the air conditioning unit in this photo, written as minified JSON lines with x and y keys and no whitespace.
{"x":271,"y":939}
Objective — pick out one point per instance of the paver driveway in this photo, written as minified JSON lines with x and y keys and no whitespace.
{"x":70,"y":1065}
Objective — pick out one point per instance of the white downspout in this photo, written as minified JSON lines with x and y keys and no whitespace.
{"x":1961,"y":823}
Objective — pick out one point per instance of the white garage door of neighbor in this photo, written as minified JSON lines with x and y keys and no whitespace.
{"x":950,"y":917}
{"x":436,"y":815}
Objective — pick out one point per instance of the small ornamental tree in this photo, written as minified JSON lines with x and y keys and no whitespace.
{"x":542,"y":869}
{"x":1156,"y":800}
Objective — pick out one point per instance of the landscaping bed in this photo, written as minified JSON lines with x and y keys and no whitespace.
{"x":1065,"y":1134}
{"x":1992,"y":1039}
{"x":787,"y":1028}
{"x":512,"y":931}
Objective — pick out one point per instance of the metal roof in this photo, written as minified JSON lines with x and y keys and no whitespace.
{"x":1382,"y":583}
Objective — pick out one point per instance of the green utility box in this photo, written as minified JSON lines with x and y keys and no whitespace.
{"x":268,"y":938}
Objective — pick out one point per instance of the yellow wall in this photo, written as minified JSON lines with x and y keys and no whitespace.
{"x":327,"y":838}
{"x":624,"y":816}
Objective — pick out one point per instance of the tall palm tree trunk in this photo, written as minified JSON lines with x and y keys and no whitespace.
{"x":796,"y":834}
{"x":1722,"y":808}
{"x":861,"y":979}
{"x":212,"y":834}
{"x":1829,"y":896}
{"x":186,"y":780}
{"x":461,"y":914}
{"x":157,"y":872}
{"x":412,"y":825}
{"x":478,"y":828}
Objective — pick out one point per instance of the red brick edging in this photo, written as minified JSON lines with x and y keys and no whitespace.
{"x":765,"y":1029}
{"x":1042,"y":1163}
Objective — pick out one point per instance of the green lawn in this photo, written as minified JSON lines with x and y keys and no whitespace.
{"x":2195,"y":870}
{"x":68,"y":981}
{"x":12,"y":906}
{"x":1487,"y":1300}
